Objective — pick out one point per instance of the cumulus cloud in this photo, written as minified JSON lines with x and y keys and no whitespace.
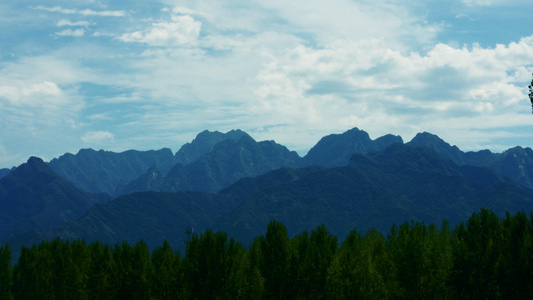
{"x":98,"y":137}
{"x":83,"y":12}
{"x":62,"y":23}
{"x":181,"y":30}
{"x":70,"y":32}
{"x":352,"y":64}
{"x":369,"y":85}
{"x":37,"y":94}
{"x":289,"y":71}
{"x":484,"y":2}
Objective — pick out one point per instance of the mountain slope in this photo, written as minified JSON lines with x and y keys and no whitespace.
{"x":156,"y":216}
{"x":109,"y":172}
{"x":375,"y":190}
{"x":150,"y":216}
{"x":336,"y":149}
{"x":4,"y":172}
{"x":204,"y":143}
{"x":516,"y":163}
{"x":228,"y":162}
{"x":398,"y":184}
{"x":33,"y":196}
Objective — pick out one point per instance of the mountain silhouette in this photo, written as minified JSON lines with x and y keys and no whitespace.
{"x":33,"y":196}
{"x":336,"y":149}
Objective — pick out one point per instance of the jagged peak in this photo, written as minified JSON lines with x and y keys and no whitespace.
{"x":206,"y":134}
{"x":27,"y":170}
{"x":83,"y":151}
{"x":35,"y":160}
{"x":34,"y":164}
{"x":424,"y":137}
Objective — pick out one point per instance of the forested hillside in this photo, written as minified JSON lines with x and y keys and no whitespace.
{"x":486,"y":257}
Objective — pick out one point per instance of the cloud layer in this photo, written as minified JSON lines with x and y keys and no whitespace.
{"x":151,"y":75}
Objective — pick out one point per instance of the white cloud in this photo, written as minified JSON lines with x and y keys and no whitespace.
{"x":83,"y":12}
{"x":181,"y":30}
{"x":290,"y":71}
{"x":7,"y":159}
{"x":98,"y":137}
{"x":62,"y":23}
{"x":371,"y":86}
{"x":183,"y":10}
{"x":495,"y":3}
{"x":350,"y":64}
{"x":69,"y":32}
{"x":34,"y":94}
{"x":485,"y":2}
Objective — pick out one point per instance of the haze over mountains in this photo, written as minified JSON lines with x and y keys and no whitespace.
{"x":231,"y":182}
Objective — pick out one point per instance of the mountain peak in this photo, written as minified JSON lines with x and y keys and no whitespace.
{"x":35,"y":161}
{"x":34,"y":196}
{"x":204,"y":143}
{"x":436,"y":143}
{"x":336,"y":149}
{"x":425,"y":138}
{"x":32,"y":166}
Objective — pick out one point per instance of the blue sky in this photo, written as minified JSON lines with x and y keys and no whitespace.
{"x":119,"y":75}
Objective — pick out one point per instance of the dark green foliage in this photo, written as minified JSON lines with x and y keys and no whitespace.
{"x":275,"y":261}
{"x":218,"y":268}
{"x":421,"y":261}
{"x":516,"y":273}
{"x":531,"y":93}
{"x":314,"y":256}
{"x":132,"y":270}
{"x":100,"y":271}
{"x":360,"y":268}
{"x":6,"y":273}
{"x":167,"y":277}
{"x":486,"y":257}
{"x":478,"y":256}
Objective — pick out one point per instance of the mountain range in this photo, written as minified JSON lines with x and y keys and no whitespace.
{"x":34,"y":197}
{"x":229,"y":181}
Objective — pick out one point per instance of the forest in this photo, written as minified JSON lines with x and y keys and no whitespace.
{"x":485,"y":257}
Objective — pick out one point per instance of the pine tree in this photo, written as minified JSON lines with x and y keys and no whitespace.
{"x":359,"y":267}
{"x":478,"y":256}
{"x":166,"y":281}
{"x":531,"y":94}
{"x":515,"y":274}
{"x":100,"y":272}
{"x":275,"y":261}
{"x":322,"y":248}
{"x":6,"y":273}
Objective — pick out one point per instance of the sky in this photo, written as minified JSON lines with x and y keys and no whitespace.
{"x":119,"y":75}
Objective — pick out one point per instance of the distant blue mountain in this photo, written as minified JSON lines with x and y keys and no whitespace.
{"x":233,"y":183}
{"x":4,"y":172}
{"x":516,"y":163}
{"x":108,"y":172}
{"x":33,"y":196}
{"x":336,"y":149}
{"x":204,"y":143}
{"x":229,"y":161}
{"x":377,"y":190}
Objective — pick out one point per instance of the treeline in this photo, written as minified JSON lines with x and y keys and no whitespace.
{"x":487,"y":257}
